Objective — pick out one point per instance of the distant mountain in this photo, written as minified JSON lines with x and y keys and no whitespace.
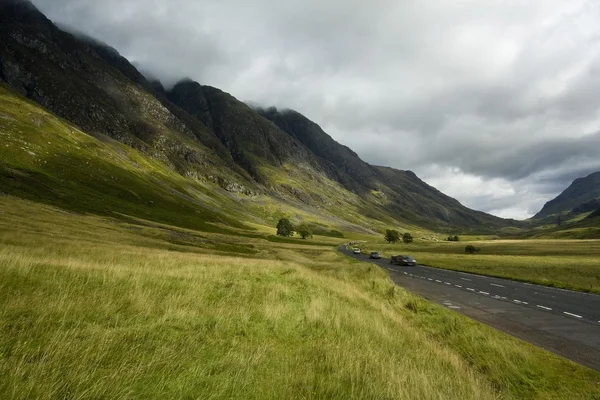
{"x":269,"y":162}
{"x":581,"y":196}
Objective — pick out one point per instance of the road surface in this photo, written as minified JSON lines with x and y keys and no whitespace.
{"x":562,"y":321}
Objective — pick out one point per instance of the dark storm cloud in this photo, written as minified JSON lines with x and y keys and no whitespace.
{"x":493,"y":102}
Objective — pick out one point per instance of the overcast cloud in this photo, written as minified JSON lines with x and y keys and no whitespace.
{"x":496,"y":102}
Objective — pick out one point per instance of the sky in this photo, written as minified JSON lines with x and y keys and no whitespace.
{"x":496,"y":103}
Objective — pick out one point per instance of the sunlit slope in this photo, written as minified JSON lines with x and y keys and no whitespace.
{"x":45,"y":159}
{"x":96,"y":307}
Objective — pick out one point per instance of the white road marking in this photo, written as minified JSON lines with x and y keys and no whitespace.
{"x":545,"y":308}
{"x":429,"y":279}
{"x":458,"y":286}
{"x":494,"y":284}
{"x":438,"y":281}
{"x":525,"y":302}
{"x":472,"y":290}
{"x":454,"y":307}
{"x":503,"y":298}
{"x":572,"y":315}
{"x":447,"y":283}
{"x":465,"y":279}
{"x":483,"y":292}
{"x":517,"y":301}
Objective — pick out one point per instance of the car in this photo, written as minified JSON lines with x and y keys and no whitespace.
{"x":375,"y":255}
{"x":356,"y":251}
{"x":403,"y":260}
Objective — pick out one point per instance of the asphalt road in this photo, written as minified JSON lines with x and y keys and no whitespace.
{"x":562,"y":321}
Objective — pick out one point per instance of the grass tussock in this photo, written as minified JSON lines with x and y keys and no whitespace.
{"x":91,"y":308}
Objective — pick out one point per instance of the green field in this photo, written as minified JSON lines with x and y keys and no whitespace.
{"x":569,"y":264}
{"x":93,"y":307}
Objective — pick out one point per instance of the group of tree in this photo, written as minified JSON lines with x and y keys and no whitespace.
{"x":453,"y":238}
{"x":286,"y":229}
{"x":392,"y":236}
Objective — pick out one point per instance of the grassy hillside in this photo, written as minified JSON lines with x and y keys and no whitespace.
{"x":93,"y":307}
{"x":45,"y":159}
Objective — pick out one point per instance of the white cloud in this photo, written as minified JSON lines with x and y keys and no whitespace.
{"x":492,"y":96}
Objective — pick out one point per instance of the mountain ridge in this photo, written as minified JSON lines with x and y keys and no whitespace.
{"x":209,"y":136}
{"x":582,"y":194}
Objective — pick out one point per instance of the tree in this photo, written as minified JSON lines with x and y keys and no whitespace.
{"x":470,"y":249}
{"x":392,"y":236}
{"x":304,"y":231}
{"x":453,"y":238}
{"x":407,"y":238}
{"x":285,"y":227}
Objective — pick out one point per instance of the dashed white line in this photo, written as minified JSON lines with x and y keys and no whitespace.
{"x":429,"y":279}
{"x":495,"y":284}
{"x":447,"y":283}
{"x":517,"y":301}
{"x":572,"y":315}
{"x":545,"y":308}
{"x":472,"y":290}
{"x":458,"y":286}
{"x":438,"y":281}
{"x":486,"y":293}
{"x":465,"y":279}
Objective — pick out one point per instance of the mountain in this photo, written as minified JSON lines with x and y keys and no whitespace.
{"x":192,"y":146}
{"x":581,"y":196}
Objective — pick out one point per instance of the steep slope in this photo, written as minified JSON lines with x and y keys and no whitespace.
{"x":583,"y":192}
{"x":45,"y":159}
{"x":99,"y":91}
{"x":399,"y":193}
{"x":279,"y":163}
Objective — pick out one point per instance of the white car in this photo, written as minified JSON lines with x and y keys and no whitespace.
{"x":356,"y":251}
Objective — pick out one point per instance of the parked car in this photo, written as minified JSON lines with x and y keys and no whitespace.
{"x":356,"y":251}
{"x":375,"y":255}
{"x":403,"y":260}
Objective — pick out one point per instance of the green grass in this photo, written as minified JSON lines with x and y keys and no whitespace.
{"x":568,"y":264}
{"x":95,"y":307}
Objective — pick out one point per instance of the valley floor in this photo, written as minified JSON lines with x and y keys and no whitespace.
{"x":568,"y":264}
{"x":94,"y":307}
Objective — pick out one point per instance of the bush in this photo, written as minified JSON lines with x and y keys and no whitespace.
{"x":407,"y":238}
{"x":453,"y":238}
{"x":335,"y":233}
{"x":470,"y":249}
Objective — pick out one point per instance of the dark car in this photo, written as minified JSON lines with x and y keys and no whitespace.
{"x":403,"y":260}
{"x":375,"y":255}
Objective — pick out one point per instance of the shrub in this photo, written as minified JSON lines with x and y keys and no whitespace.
{"x":470,"y":249}
{"x":407,"y":238}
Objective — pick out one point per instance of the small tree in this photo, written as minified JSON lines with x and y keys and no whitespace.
{"x":392,"y":236}
{"x":285,"y":227}
{"x":453,"y":238}
{"x":407,"y":238}
{"x":304,"y":231}
{"x":470,"y":249}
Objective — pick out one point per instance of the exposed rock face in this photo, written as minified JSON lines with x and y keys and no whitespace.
{"x":581,"y":191}
{"x":206,"y":134}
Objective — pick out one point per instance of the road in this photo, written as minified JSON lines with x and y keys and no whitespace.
{"x":562,"y":321}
